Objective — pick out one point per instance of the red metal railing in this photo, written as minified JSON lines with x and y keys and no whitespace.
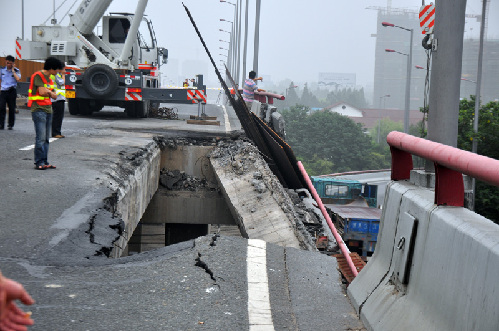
{"x":263,"y":97}
{"x":343,"y":247}
{"x":450,"y":164}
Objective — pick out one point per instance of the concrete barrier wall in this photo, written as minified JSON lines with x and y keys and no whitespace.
{"x":135,"y":194}
{"x":443,"y":274}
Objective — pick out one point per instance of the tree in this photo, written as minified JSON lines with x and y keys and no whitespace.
{"x":330,"y":142}
{"x":291,"y":95}
{"x":353,"y":97}
{"x":487,"y":196}
{"x":308,"y":99}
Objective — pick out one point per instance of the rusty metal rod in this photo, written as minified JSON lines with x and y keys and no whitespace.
{"x":343,"y":247}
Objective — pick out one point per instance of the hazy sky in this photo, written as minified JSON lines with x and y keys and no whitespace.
{"x":298,"y":39}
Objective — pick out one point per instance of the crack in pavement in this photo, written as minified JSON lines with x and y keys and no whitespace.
{"x":203,"y":265}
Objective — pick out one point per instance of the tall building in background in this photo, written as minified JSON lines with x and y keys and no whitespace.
{"x":391,"y":68}
{"x":490,"y":73}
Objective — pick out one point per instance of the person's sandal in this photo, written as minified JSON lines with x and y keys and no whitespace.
{"x":49,"y":166}
{"x":40,"y":167}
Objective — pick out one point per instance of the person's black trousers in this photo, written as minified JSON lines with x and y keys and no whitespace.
{"x":8,"y":98}
{"x":57,"y":117}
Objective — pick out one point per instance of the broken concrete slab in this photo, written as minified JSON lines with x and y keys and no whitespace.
{"x":259,"y":204}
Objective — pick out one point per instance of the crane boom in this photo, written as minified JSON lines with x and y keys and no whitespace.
{"x":88,"y":15}
{"x":137,"y":18}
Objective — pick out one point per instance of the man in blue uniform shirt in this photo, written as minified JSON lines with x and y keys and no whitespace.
{"x":9,"y":76}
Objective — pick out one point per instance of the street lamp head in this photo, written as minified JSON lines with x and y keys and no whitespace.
{"x":224,"y":20}
{"x":385,"y":24}
{"x":389,"y":50}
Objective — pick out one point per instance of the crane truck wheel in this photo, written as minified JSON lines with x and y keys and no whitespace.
{"x":100,"y":81}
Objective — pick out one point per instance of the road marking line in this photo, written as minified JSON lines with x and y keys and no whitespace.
{"x":27,"y":148}
{"x":259,"y":312}
{"x":226,"y":118}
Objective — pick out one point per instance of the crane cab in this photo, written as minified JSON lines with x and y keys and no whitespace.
{"x":115,"y":29}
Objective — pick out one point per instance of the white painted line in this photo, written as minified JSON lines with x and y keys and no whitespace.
{"x":27,"y":148}
{"x":226,"y":118}
{"x":259,"y":312}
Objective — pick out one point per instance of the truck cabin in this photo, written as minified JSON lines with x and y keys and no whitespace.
{"x":115,"y":32}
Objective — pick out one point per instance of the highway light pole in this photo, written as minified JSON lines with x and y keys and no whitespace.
{"x":379,"y":114}
{"x":234,"y":40}
{"x":408,"y":76}
{"x":245,"y":49}
{"x":231,"y":51}
{"x":474,"y":146}
{"x":238,"y":58}
{"x":230,"y":54}
{"x":257,"y":36}
{"x":446,"y":66}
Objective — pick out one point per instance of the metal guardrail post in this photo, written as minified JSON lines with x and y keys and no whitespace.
{"x":450,"y":164}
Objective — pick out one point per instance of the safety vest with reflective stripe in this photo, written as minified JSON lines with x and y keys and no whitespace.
{"x":40,"y":100}
{"x":58,"y":89}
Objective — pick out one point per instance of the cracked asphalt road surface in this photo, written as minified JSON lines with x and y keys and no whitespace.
{"x":194,"y":285}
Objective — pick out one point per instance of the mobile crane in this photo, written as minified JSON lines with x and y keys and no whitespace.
{"x":118,"y":68}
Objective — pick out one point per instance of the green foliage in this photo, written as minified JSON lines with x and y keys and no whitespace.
{"x":382,"y":129}
{"x":353,"y":97}
{"x":381,"y":156}
{"x":322,"y":98}
{"x":487,"y":201}
{"x":291,"y":96}
{"x":318,"y":166}
{"x":487,"y":137}
{"x":309,"y":99}
{"x":329,"y":141}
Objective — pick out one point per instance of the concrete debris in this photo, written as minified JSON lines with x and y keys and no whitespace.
{"x":259,"y":186}
{"x":165,"y":142}
{"x":177,"y":180}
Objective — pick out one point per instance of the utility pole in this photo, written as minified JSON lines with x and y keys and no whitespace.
{"x":245,"y":50}
{"x":446,"y":73}
{"x":257,"y":36}
{"x":474,"y":146}
{"x":22,"y":19}
{"x":239,"y":80}
{"x":408,"y":86}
